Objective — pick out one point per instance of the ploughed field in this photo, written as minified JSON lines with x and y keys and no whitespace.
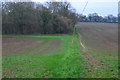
{"x":25,"y":45}
{"x":101,"y":37}
{"x":101,"y":48}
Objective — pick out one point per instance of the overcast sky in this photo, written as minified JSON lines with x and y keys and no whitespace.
{"x":102,"y":7}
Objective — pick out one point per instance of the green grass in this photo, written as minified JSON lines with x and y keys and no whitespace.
{"x":64,"y":64}
{"x":111,"y":62}
{"x":71,"y":65}
{"x":68,"y":63}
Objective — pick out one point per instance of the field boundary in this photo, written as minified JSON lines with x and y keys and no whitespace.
{"x":82,"y":45}
{"x":94,"y":62}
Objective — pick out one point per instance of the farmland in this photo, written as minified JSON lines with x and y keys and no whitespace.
{"x":63,"y":56}
{"x":101,"y":48}
{"x":52,"y":39}
{"x":41,"y":56}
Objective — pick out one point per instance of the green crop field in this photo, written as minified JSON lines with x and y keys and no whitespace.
{"x":91,"y":52}
{"x":47,"y":56}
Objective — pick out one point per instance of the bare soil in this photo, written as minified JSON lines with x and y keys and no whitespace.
{"x":101,"y":37}
{"x":19,"y":45}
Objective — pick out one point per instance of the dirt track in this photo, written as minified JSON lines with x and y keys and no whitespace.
{"x":22,"y":45}
{"x":101,"y":37}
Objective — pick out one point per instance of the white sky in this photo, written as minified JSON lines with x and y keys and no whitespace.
{"x":79,"y":0}
{"x":102,"y":7}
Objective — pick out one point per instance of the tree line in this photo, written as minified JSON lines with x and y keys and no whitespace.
{"x":94,"y":17}
{"x":37,"y":18}
{"x":48,"y":18}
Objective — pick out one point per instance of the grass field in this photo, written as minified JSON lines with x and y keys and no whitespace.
{"x":90,"y":53}
{"x":42,"y":56}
